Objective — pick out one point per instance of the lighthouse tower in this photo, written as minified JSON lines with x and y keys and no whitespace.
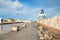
{"x":42,"y":15}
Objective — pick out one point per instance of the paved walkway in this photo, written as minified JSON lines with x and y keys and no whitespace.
{"x":28,"y":33}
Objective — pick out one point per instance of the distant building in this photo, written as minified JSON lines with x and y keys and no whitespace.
{"x":18,"y":20}
{"x":27,"y":21}
{"x":42,"y":15}
{"x":9,"y":20}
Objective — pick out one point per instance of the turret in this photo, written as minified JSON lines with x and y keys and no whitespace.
{"x":42,"y":15}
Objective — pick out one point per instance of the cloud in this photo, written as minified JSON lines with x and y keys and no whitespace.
{"x":11,"y":4}
{"x":15,"y":9}
{"x":16,"y":5}
{"x":52,"y":11}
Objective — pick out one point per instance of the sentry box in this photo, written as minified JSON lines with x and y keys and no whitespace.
{"x":1,"y":22}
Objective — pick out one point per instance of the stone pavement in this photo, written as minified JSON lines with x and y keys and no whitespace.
{"x":28,"y":33}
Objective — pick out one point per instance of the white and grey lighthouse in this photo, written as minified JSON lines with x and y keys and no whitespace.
{"x":42,"y":15}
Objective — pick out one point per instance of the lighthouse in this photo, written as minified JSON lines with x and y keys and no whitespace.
{"x":42,"y":15}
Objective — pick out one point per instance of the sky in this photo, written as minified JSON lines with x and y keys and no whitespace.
{"x":28,"y":9}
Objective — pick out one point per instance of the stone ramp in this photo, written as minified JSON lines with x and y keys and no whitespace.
{"x":28,"y":33}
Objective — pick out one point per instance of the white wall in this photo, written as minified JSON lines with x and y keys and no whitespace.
{"x":1,"y":20}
